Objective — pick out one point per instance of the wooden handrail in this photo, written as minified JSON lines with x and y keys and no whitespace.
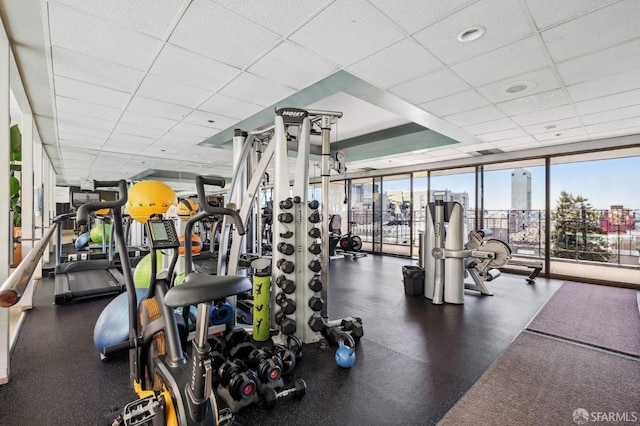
{"x":13,"y":287}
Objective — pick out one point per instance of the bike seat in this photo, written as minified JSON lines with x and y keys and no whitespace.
{"x":199,"y":288}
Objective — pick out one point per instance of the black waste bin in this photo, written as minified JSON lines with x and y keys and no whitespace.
{"x":413,"y":280}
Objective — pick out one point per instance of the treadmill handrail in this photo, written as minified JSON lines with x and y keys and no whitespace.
{"x":85,"y":209}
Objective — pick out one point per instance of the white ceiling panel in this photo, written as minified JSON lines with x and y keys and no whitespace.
{"x":608,"y":85}
{"x":123,"y":147}
{"x":302,"y":66}
{"x":561,"y":134}
{"x":80,"y":140}
{"x":87,"y":109}
{"x":629,"y":123}
{"x":593,"y":32}
{"x":230,"y":107}
{"x":67,"y":118}
{"x":549,"y":12}
{"x":538,"y":81}
{"x":520,"y":141}
{"x":256,"y":89}
{"x":135,"y":130}
{"x":502,"y":135}
{"x":281,"y":16}
{"x":158,"y":108}
{"x":412,"y":15}
{"x":429,"y":87}
{"x":611,"y":133}
{"x":517,"y":147}
{"x":336,"y":32}
{"x":146,"y":120}
{"x":143,"y":16}
{"x":475,"y":147}
{"x":537,"y":102}
{"x":549,"y":115}
{"x":478,"y":115}
{"x":132,"y":139}
{"x":490,"y":126}
{"x":606,"y":103}
{"x":613,"y":115}
{"x":77,"y":66}
{"x":172,"y":138}
{"x":618,"y":59}
{"x":398,"y":63}
{"x":227,"y":38}
{"x":556,"y":126}
{"x":69,"y":128}
{"x":503,"y":21}
{"x":192,"y":69}
{"x":213,"y":121}
{"x":100,"y":38}
{"x":194,"y":130}
{"x":514,"y":59}
{"x":459,"y":102}
{"x":90,"y":92}
{"x":169,"y":91}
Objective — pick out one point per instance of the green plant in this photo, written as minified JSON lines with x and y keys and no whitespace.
{"x":14,"y":183}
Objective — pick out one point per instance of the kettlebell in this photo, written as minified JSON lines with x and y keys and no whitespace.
{"x":345,"y":356}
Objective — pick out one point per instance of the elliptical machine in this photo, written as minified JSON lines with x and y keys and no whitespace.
{"x":173,"y":388}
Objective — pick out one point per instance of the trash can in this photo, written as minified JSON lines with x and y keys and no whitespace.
{"x":413,"y":280}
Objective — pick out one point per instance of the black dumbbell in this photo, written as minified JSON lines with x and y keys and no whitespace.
{"x":313,"y":204}
{"x":287,"y":234}
{"x":286,"y":248}
{"x":271,"y":397}
{"x":285,"y":284}
{"x":287,"y":358}
{"x":297,"y":199}
{"x":314,"y":217}
{"x":315,"y":284}
{"x":238,"y":343}
{"x":285,"y":217}
{"x":314,"y":232}
{"x":286,"y":204}
{"x":288,"y":305}
{"x":267,"y":365}
{"x":287,"y":325}
{"x":354,"y":326}
{"x":285,"y":266}
{"x":316,"y":303}
{"x":315,"y":248}
{"x":316,"y":323}
{"x":315,"y":265}
{"x":229,"y":369}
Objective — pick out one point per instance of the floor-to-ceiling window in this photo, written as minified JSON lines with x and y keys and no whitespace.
{"x":362,"y":210}
{"x":456,"y":185}
{"x":420,"y":197}
{"x":396,"y":214}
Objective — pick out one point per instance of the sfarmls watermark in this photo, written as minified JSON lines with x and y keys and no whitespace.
{"x":582,"y":416}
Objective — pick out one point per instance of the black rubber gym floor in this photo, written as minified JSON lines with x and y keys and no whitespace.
{"x":413,"y":363}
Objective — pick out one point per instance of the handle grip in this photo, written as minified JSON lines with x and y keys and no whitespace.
{"x":201,"y":181}
{"x":85,"y":209}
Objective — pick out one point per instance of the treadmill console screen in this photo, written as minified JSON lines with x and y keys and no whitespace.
{"x":162,"y":234}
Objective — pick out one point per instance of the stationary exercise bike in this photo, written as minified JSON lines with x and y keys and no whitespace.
{"x":174,"y":389}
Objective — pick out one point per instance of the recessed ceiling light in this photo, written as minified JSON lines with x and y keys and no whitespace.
{"x":551,"y":126}
{"x":518,"y":87}
{"x":471,"y":34}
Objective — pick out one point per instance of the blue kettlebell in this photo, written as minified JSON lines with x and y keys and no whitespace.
{"x":345,"y":356}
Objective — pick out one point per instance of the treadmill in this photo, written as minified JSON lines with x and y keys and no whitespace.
{"x":85,"y":279}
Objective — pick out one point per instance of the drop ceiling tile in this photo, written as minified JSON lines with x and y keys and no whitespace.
{"x":595,"y":31}
{"x":192,"y":69}
{"x":86,"y":109}
{"x":523,"y":147}
{"x":615,"y":133}
{"x":337,"y":32}
{"x":475,"y":116}
{"x":412,"y":15}
{"x":549,"y":12}
{"x":615,"y":60}
{"x":73,"y":128}
{"x":77,"y":66}
{"x":613,"y":125}
{"x":606,"y":103}
{"x":541,"y":80}
{"x":69,"y":118}
{"x":609,"y":85}
{"x":158,"y":108}
{"x":80,"y":140}
{"x":162,"y":89}
{"x":613,"y":115}
{"x":490,"y":126}
{"x":475,"y":147}
{"x":502,"y":135}
{"x":556,"y":126}
{"x":539,"y":101}
{"x":429,"y":87}
{"x":562,"y":134}
{"x":519,"y":141}
{"x":202,"y":118}
{"x":146,"y":120}
{"x":544,"y":116}
{"x":230,"y":107}
{"x":96,"y":37}
{"x":89,"y":92}
{"x":452,"y":104}
{"x":173,"y":138}
{"x":303,"y":66}
{"x":514,"y":59}
{"x":227,"y":38}
{"x":503,"y":20}
{"x":281,"y":17}
{"x":398,"y":63}
{"x":258,"y":89}
{"x":123,"y":147}
{"x":133,"y":130}
{"x":194,"y":130}
{"x":132,"y":139}
{"x":148,"y":17}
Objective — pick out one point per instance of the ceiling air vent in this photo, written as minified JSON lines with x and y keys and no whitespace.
{"x":490,"y":151}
